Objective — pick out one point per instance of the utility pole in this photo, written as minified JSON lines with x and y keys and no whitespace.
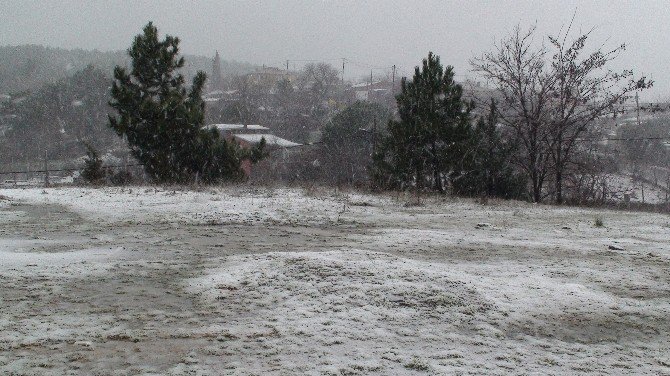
{"x":343,"y":60}
{"x":374,"y":136}
{"x":637,"y":105}
{"x":286,"y":64}
{"x":390,"y":97}
{"x":11,"y":168}
{"x":370,"y":88}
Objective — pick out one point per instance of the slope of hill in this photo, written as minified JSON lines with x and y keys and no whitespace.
{"x":28,"y":67}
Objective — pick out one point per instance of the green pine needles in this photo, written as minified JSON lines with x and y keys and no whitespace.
{"x":435,"y":146}
{"x":426,"y":144}
{"x":163,"y":121}
{"x":487,"y":168}
{"x":93,"y":172}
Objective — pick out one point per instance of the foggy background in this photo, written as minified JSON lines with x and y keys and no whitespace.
{"x":371,"y":35}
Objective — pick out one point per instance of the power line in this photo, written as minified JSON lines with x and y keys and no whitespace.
{"x":620,"y":139}
{"x":343,"y":60}
{"x":369,"y":66}
{"x":313,"y":60}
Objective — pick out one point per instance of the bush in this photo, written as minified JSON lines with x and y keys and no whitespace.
{"x":122,"y":177}
{"x":487,"y":167}
{"x":93,"y":173}
{"x":163,"y":119}
{"x":599,"y":222}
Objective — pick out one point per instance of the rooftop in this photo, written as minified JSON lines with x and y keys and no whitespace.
{"x":231,"y":127}
{"x":365,"y":84}
{"x":270,"y":139}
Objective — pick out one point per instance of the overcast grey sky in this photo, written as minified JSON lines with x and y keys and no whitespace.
{"x":381,"y":33}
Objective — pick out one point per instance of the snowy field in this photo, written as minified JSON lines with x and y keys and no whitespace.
{"x":241,"y":281}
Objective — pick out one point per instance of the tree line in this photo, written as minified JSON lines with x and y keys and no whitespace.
{"x":521,"y":139}
{"x":546,"y":99}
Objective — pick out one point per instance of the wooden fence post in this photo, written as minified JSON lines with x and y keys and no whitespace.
{"x":46,"y":170}
{"x":14,"y":171}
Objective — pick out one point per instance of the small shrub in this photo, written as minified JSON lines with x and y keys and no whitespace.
{"x":93,"y":173}
{"x":599,"y":222}
{"x":121,"y":177}
{"x":417,"y":365}
{"x":359,"y":203}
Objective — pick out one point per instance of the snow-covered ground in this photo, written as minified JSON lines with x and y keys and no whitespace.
{"x":248,"y":281}
{"x":618,"y":186}
{"x":228,"y":206}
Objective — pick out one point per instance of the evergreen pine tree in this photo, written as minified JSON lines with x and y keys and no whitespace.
{"x":163,"y":121}
{"x":427,"y":142}
{"x":348,"y":141}
{"x":487,"y":169}
{"x":93,"y":172}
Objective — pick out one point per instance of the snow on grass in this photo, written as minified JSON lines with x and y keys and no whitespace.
{"x":334,"y":311}
{"x":619,"y":185}
{"x":351,"y":311}
{"x":7,"y":217}
{"x":33,"y":283}
{"x":448,"y":287}
{"x":286,"y":206}
{"x":54,"y":329}
{"x":17,"y":260}
{"x":215,"y":206}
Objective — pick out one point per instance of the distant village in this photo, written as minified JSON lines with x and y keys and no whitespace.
{"x":300,"y":111}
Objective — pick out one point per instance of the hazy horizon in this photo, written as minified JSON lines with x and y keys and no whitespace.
{"x":370,"y":35}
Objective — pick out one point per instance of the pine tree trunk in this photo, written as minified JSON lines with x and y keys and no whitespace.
{"x":436,"y":171}
{"x":438,"y":181}
{"x":419,"y":184}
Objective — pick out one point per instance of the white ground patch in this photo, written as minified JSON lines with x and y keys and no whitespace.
{"x":16,"y":261}
{"x":342,"y":312}
{"x":450,"y":287}
{"x":9,"y":217}
{"x":619,"y":185}
{"x":37,"y":320}
{"x":215,"y":206}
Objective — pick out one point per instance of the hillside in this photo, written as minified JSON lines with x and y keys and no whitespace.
{"x":28,"y":67}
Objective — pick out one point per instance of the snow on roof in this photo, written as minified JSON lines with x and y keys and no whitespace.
{"x":364,"y":84}
{"x":270,"y":139}
{"x":230,"y":127}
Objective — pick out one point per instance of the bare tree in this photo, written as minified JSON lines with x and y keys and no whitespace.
{"x":518,"y":71}
{"x":583,"y":91}
{"x":318,"y":83}
{"x":550,"y":103}
{"x":320,"y":78}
